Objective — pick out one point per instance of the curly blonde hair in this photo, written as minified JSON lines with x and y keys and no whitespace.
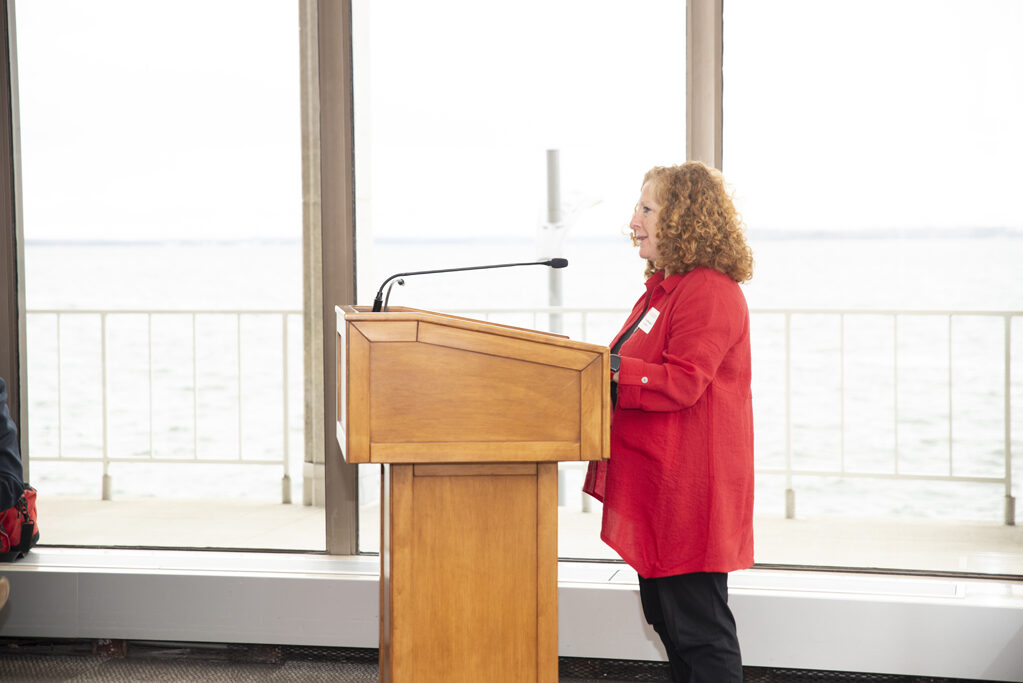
{"x":698,"y":224}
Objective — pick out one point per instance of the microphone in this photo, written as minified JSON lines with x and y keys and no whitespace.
{"x":378,"y":301}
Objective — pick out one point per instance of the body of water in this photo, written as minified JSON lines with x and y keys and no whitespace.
{"x":906,"y":273}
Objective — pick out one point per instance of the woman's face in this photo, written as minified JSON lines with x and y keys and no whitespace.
{"x":644,"y":223}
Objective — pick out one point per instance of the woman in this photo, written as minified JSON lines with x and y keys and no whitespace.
{"x":678,"y":488}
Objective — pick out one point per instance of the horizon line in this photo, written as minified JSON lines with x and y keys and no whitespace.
{"x":759,"y":233}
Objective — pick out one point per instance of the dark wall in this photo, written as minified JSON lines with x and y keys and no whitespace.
{"x":10,"y":328}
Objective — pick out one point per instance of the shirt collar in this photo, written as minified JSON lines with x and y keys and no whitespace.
{"x":658,"y":280}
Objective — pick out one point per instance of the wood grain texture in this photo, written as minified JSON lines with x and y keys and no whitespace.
{"x":341,"y":390}
{"x":425,"y":393}
{"x":488,"y":342}
{"x":399,"y":558}
{"x":357,"y":313}
{"x":357,"y":403}
{"x":476,"y":469}
{"x":594,"y":411}
{"x":547,"y":572}
{"x":386,"y":618}
{"x":386,"y":331}
{"x":472,"y":418}
{"x":475,"y":451}
{"x":449,"y":386}
{"x":481,"y":599}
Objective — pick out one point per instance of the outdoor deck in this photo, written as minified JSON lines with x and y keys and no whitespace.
{"x":936,"y":546}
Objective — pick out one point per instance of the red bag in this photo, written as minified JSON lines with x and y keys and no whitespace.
{"x":18,"y":529}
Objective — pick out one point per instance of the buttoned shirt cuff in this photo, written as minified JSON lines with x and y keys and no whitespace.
{"x":631,"y":381}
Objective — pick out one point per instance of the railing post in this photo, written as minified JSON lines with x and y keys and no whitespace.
{"x":195,"y":392}
{"x":107,"y":457}
{"x":562,"y":488}
{"x":841,"y":392}
{"x":60,"y":394}
{"x":238,"y":374}
{"x":107,"y":483}
{"x":286,"y":479}
{"x":1010,"y":501}
{"x":895,"y":390}
{"x":149,"y":347}
{"x":790,"y":492}
{"x":951,"y":466}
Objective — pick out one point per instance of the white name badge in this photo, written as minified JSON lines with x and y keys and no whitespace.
{"x":647,"y":323}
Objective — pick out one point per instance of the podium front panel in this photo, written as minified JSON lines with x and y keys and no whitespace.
{"x":427,"y":388}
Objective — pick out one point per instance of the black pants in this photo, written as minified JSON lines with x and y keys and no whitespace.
{"x":690,"y":613}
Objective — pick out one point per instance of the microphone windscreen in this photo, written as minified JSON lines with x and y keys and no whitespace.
{"x":558,"y":262}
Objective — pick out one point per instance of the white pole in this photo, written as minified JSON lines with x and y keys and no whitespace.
{"x":554,"y":274}
{"x":554,"y":224}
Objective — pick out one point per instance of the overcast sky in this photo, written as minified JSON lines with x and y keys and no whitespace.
{"x":154,"y":120}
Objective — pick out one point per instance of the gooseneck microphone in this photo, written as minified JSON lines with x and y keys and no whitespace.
{"x":378,"y":301}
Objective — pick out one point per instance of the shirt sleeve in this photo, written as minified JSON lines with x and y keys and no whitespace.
{"x":11,"y":484}
{"x":703,"y":328}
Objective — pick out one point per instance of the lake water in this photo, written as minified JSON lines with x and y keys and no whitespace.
{"x":952,"y":273}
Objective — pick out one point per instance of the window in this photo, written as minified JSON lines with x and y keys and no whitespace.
{"x":162,"y":206}
{"x":874,"y":149}
{"x":456,"y":106}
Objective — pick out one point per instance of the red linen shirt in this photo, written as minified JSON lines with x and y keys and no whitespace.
{"x":678,"y":488}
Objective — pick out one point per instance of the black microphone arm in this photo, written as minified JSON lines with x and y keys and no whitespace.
{"x":378,"y":301}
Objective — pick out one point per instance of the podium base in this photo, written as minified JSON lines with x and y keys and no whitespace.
{"x":468,"y":579}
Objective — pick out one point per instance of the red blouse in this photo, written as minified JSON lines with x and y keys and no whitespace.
{"x":678,"y":489}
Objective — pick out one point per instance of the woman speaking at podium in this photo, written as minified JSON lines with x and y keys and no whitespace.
{"x":678,"y":489}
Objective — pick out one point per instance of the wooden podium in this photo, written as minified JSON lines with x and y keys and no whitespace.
{"x":469,"y":420}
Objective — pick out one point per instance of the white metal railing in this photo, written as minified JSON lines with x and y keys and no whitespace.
{"x":189,"y":319}
{"x":949,"y":474}
{"x":560,"y":318}
{"x":598,"y":325}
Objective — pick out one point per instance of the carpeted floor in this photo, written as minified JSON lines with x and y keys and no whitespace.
{"x":80,"y":661}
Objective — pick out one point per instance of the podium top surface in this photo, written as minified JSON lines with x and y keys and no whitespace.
{"x":400,"y":313}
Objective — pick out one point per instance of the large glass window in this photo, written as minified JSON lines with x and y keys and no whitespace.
{"x":162,"y":203}
{"x":874,"y":148}
{"x":458,"y":105}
